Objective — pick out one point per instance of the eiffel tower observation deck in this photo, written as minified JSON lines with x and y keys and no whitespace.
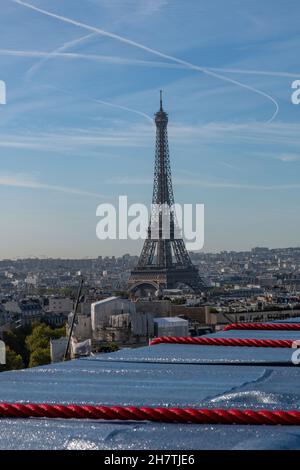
{"x":164,"y":262}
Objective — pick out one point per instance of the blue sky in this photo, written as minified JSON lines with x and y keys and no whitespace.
{"x":73,"y":133}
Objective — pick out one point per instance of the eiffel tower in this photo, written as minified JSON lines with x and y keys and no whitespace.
{"x":164,"y":261}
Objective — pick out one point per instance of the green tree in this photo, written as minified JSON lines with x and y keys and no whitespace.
{"x":39,"y":338}
{"x":38,"y":343}
{"x":15,"y":339}
{"x":13,"y":360}
{"x":11,"y":339}
{"x":40,"y":357}
{"x":41,"y":335}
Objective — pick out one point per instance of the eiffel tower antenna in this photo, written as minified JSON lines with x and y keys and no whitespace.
{"x":164,"y":261}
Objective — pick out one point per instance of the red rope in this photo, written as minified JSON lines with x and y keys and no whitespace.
{"x":204,"y":341}
{"x":262,"y":326}
{"x":166,"y":415}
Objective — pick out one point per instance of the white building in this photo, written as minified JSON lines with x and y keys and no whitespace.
{"x":57,"y":349}
{"x":82,"y":329}
{"x":116,"y":319}
{"x":103,"y":309}
{"x":32,"y":280}
{"x":171,"y":326}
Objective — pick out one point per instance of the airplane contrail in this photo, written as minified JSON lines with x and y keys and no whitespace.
{"x":125,"y":61}
{"x":30,"y":72}
{"x":140,"y":113}
{"x":48,"y":55}
{"x":108,"y":103}
{"x":59,"y":52}
{"x":138,"y":45}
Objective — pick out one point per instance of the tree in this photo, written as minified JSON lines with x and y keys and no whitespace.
{"x":11,"y":339}
{"x":39,"y":338}
{"x":58,"y":332}
{"x":40,"y":357}
{"x":38,"y":343}
{"x":13,"y":360}
{"x":41,"y":335}
{"x":15,"y":339}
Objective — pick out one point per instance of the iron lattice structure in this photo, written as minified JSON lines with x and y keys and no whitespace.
{"x":164,"y":261}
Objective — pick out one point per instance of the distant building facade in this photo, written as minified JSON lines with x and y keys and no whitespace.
{"x":60,"y":305}
{"x":25,"y":311}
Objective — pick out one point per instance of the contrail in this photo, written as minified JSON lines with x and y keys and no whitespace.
{"x":269,"y":73}
{"x":140,"y":113}
{"x":125,"y":61}
{"x":108,"y":103}
{"x":130,"y":42}
{"x":93,"y":57}
{"x":30,"y":72}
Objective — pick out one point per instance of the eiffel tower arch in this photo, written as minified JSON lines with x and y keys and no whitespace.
{"x":164,"y":261}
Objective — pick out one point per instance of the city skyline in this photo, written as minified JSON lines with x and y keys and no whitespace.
{"x":73,"y":135}
{"x":125,"y":254}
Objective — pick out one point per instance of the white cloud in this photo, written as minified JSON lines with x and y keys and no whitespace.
{"x":206,"y":184}
{"x":287,"y":158}
{"x":89,"y":142}
{"x":276,"y":132}
{"x":78,"y":141}
{"x":21,"y":180}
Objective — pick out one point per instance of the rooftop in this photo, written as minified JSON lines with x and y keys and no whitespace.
{"x":161,"y":375}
